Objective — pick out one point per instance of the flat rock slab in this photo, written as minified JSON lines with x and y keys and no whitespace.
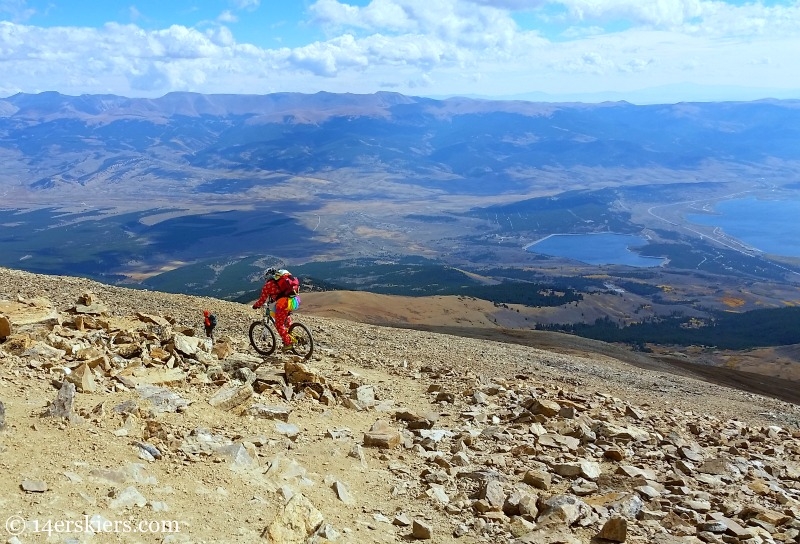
{"x":29,"y":312}
{"x":34,"y":486}
{"x":231,"y":395}
{"x":158,"y":376}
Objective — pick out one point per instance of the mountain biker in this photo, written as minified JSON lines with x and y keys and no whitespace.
{"x":281,"y":288}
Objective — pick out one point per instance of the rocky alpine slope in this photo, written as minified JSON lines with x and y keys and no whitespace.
{"x":118,"y":416}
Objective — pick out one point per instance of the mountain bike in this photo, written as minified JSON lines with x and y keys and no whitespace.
{"x":264,"y":340}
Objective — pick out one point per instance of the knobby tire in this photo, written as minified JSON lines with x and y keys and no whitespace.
{"x":262,"y":338}
{"x":303,"y":345}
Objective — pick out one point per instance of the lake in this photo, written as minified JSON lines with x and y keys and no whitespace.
{"x":769,"y":225}
{"x":598,"y":249}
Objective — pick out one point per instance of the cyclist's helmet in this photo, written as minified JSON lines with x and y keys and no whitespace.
{"x":270,"y":273}
{"x":281,"y":272}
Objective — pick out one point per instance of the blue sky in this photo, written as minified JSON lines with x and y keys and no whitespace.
{"x":643,"y":51}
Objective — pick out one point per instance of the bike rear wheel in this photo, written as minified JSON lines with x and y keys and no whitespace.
{"x":262,"y":338}
{"x":302,"y":341}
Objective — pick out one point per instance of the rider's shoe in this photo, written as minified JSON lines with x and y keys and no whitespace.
{"x":287,"y":347}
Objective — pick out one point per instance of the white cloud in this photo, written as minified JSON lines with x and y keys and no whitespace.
{"x":518,"y":5}
{"x":577,"y":32}
{"x":175,"y":58}
{"x":249,"y":5}
{"x":134,"y":14}
{"x":660,"y":13}
{"x":411,"y":32}
{"x":179,"y":42}
{"x":227,"y":17}
{"x":16,"y":10}
{"x":636,"y":65}
{"x":413,"y":50}
{"x":221,"y":36}
{"x":377,"y":15}
{"x":152,"y":78}
{"x":454,"y":21}
{"x":435,"y":46}
{"x":317,"y":58}
{"x":710,"y":17}
{"x":753,"y":19}
{"x":422,"y":82}
{"x":590,"y":62}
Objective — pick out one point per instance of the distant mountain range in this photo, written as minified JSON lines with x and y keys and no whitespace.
{"x":458,"y":145}
{"x":662,"y":94}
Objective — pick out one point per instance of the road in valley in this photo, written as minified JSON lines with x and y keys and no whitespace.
{"x":717,"y":235}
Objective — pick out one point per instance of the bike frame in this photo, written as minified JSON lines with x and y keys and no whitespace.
{"x":305,"y":340}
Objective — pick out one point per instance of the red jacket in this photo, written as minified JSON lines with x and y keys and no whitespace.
{"x":270,"y":290}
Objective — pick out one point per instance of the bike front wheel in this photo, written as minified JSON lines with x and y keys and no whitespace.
{"x":262,"y":338}
{"x":302,"y":341}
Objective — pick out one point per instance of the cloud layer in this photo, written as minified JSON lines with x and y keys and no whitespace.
{"x":435,"y":47}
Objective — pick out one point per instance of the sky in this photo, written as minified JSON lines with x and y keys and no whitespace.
{"x":643,"y":51}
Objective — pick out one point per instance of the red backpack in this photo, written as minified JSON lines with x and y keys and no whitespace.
{"x":288,"y":285}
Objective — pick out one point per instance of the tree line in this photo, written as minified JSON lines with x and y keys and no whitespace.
{"x":747,"y":330}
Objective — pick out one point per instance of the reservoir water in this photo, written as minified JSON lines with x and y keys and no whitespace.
{"x":769,"y":225}
{"x":598,"y":249}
